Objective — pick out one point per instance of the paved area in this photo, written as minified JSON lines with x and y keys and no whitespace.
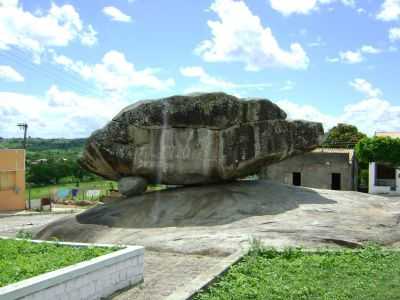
{"x":165,"y":273}
{"x":10,"y":225}
{"x":180,"y":250}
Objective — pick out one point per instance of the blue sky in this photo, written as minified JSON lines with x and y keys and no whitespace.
{"x":66,"y":67}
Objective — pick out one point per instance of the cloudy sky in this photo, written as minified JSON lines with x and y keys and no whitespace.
{"x":66,"y":67}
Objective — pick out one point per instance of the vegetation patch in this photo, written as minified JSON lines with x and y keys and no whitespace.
{"x":23,"y":259}
{"x":48,"y":191}
{"x":371,"y":273}
{"x":379,"y":149}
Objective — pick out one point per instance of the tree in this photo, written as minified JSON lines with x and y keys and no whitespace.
{"x":379,"y":149}
{"x":343,"y":136}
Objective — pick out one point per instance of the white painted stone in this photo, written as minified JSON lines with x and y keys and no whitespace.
{"x":94,"y":279}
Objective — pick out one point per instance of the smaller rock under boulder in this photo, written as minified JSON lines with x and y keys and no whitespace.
{"x":131,"y":186}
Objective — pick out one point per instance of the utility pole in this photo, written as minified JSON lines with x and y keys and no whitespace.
{"x":24,"y":127}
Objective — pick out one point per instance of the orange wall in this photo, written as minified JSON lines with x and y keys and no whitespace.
{"x":13,"y":160}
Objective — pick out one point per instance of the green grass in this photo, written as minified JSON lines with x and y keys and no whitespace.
{"x":46,"y":191}
{"x":264,"y":274}
{"x":22,"y":259}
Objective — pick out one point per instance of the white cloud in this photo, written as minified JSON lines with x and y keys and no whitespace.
{"x":208,"y":82}
{"x":317,"y":43}
{"x":57,"y":113}
{"x":306,"y":112}
{"x":204,"y":78}
{"x":58,"y":27}
{"x":115,"y":73}
{"x":8,"y":73}
{"x":116,"y":14}
{"x":354,"y":57}
{"x":351,"y":57}
{"x":9,"y":3}
{"x":365,"y":87}
{"x":370,"y":114}
{"x":370,"y":49}
{"x":394,"y":34}
{"x":361,"y":10}
{"x":289,"y":86}
{"x":289,"y":7}
{"x":89,"y":37}
{"x":332,"y":60}
{"x":239,"y":36}
{"x":390,"y":11}
{"x":373,"y":114}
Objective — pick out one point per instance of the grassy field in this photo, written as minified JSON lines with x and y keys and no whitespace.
{"x":370,"y":274}
{"x":46,"y":191}
{"x":22,"y":259}
{"x":103,"y":185}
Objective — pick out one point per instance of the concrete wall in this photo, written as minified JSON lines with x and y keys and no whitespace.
{"x":373,"y":188}
{"x":316,"y":170}
{"x":13,"y":162}
{"x":94,"y":279}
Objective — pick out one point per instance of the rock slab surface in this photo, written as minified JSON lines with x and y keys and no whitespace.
{"x":196,"y":139}
{"x":219,"y":219}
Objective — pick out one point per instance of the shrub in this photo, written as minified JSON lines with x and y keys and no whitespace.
{"x":379,"y":149}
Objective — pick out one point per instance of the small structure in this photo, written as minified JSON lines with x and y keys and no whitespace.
{"x":384,"y":178}
{"x":12,"y":179}
{"x":323,"y":168}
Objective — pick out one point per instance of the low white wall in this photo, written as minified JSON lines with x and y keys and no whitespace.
{"x":374,"y":189}
{"x":94,"y":279}
{"x":398,"y":180}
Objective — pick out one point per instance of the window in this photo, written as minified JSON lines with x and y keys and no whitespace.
{"x":7,"y":181}
{"x":296,"y":178}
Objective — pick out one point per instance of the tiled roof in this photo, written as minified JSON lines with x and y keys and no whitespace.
{"x":392,"y":134}
{"x":350,"y":152}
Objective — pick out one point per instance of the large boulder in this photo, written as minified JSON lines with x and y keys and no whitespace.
{"x":196,"y":139}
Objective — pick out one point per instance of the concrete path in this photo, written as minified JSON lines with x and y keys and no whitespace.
{"x":11,"y":225}
{"x":165,"y":273}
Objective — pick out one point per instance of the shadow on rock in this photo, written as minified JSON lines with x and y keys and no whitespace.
{"x":201,"y":206}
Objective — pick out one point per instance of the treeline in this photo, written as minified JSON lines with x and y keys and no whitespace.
{"x":54,"y":170}
{"x":39,"y":144}
{"x":51,"y":161}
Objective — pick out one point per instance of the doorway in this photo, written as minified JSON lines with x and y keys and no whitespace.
{"x":336,"y":181}
{"x":296,"y":180}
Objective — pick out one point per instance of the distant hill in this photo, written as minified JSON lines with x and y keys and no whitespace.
{"x":39,"y":144}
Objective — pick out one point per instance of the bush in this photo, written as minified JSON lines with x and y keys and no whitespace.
{"x":379,"y":149}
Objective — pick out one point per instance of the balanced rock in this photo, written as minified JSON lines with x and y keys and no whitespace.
{"x":196,"y":139}
{"x":131,"y":186}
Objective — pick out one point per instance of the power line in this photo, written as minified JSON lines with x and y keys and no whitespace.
{"x":54,"y":74}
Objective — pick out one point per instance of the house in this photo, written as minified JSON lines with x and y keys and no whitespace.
{"x":384,"y":178}
{"x":322,"y":168}
{"x":12,"y":179}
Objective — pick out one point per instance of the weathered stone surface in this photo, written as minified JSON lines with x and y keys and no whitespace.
{"x":196,"y":139}
{"x":131,"y":186}
{"x":219,"y":219}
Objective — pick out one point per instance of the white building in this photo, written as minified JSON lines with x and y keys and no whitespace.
{"x":383,"y":178}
